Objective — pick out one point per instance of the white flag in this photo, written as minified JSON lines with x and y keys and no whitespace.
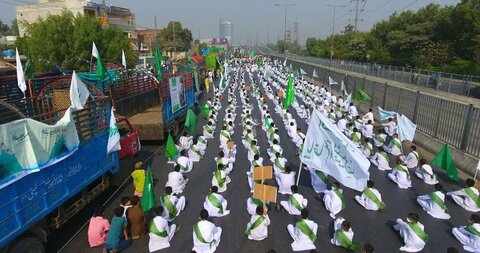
{"x":331,"y":81}
{"x":78,"y":92}
{"x":124,"y":60}
{"x":348,"y":100}
{"x":330,"y":151}
{"x":478,"y":165}
{"x":315,"y":75}
{"x":20,"y":77}
{"x":113,"y":135}
{"x":384,"y":114}
{"x":285,"y":62}
{"x":94,"y":50}
{"x":343,"y":88}
{"x":405,"y":128}
{"x":302,"y":72}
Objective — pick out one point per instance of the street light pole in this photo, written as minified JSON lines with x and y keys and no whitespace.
{"x":333,"y":30}
{"x":285,"y":27}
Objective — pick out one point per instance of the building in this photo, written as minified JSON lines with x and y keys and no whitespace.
{"x":108,"y":15}
{"x":226,"y":30}
{"x":146,"y":40}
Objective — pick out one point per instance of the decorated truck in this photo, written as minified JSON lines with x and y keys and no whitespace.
{"x":53,"y":162}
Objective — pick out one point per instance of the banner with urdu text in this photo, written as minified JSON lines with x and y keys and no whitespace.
{"x":175,"y":84}
{"x":328,"y":150}
{"x":27,"y":145}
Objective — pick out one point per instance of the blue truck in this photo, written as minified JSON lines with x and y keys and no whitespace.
{"x":36,"y":204}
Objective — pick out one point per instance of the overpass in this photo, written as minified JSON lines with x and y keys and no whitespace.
{"x":441,"y":117}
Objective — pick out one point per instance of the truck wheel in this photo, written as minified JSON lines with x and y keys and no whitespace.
{"x":28,"y":245}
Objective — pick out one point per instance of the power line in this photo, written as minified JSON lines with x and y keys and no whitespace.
{"x":381,"y":6}
{"x":410,"y":4}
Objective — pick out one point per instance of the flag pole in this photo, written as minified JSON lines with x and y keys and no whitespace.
{"x":299,"y":172}
{"x":475,"y":176}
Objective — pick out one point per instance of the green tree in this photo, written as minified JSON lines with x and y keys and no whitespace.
{"x":4,"y":29}
{"x":66,"y":41}
{"x":175,"y":37}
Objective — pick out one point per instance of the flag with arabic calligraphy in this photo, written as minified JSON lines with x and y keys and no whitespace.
{"x":328,"y":150}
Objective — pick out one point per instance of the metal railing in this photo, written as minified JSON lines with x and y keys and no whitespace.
{"x":466,"y":85}
{"x":455,"y":123}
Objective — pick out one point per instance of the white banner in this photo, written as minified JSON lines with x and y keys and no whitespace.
{"x":175,"y":90}
{"x":328,"y":150}
{"x":27,"y":146}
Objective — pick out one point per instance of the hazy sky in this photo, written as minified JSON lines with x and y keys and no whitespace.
{"x":252,"y":17}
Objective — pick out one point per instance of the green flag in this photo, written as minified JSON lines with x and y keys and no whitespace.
{"x":158,"y":64}
{"x":362,"y":96}
{"x":251,"y":54}
{"x":444,"y":160}
{"x":191,"y":121}
{"x":101,"y":72}
{"x":28,"y":70}
{"x":211,"y":61}
{"x":187,"y":57}
{"x":290,"y":96}
{"x":259,"y":62}
{"x":148,"y":197}
{"x":171,"y":150}
{"x":205,"y":109}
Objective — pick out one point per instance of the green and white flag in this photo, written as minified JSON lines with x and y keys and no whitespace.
{"x":326,"y":147}
{"x":113,"y":135}
{"x":20,"y":75}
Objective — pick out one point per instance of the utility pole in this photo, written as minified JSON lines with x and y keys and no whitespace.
{"x":333,"y":30}
{"x":357,"y":14}
{"x":174,"y":41}
{"x":285,"y":28}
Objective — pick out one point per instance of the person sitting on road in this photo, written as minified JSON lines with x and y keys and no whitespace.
{"x":97,"y":229}
{"x":118,"y":229}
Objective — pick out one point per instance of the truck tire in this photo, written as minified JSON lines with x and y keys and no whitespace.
{"x":28,"y":245}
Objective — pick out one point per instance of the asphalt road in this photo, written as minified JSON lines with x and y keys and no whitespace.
{"x":369,"y":227}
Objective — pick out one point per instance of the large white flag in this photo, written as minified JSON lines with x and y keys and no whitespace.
{"x":348,"y":100}
{"x":405,"y":128}
{"x":302,"y":72}
{"x":331,"y":81}
{"x":328,"y":150}
{"x":124,"y":60}
{"x":113,"y":135}
{"x":315,"y":75}
{"x":78,"y":92}
{"x":20,"y":77}
{"x":94,"y":50}
{"x":384,"y":114}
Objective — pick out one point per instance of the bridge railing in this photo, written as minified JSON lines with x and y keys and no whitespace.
{"x":448,"y":82}
{"x":452,"y":122}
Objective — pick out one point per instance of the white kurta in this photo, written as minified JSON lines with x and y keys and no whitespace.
{"x":223,"y":175}
{"x":338,"y":225}
{"x":470,"y":242}
{"x":429,"y":177}
{"x":367,"y":131}
{"x":380,"y":162}
{"x":367,"y":203}
{"x":413,"y":243}
{"x":176,"y":181}
{"x":185,"y":142}
{"x":300,"y":240}
{"x":317,"y":183}
{"x":185,"y":163}
{"x":212,"y":210}
{"x":332,"y":202}
{"x":379,"y":140}
{"x":157,"y":242}
{"x":389,"y":127}
{"x":436,"y":211}
{"x":392,"y":149}
{"x":463,"y":200}
{"x":210,"y":233}
{"x":195,"y":152}
{"x":260,"y":232}
{"x":291,"y":209}
{"x":285,"y":181}
{"x":411,"y":161}
{"x":401,"y":178}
